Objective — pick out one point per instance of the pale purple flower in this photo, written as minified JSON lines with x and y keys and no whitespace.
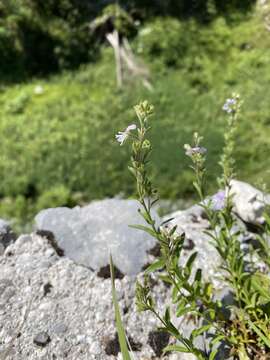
{"x":229,"y":104}
{"x":218,"y":201}
{"x":123,"y":135}
{"x":190,"y":151}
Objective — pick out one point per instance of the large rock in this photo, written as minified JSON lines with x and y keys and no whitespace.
{"x":249,"y":202}
{"x":88,"y":234}
{"x":53,"y":308}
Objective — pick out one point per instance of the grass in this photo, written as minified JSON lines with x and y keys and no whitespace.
{"x":122,"y":337}
{"x":58,"y":148}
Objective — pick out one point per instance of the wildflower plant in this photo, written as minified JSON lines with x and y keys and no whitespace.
{"x":246,"y":332}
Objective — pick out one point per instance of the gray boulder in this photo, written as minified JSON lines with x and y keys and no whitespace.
{"x":89,"y":234}
{"x":249,"y":202}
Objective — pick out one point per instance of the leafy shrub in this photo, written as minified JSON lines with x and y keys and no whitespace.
{"x":38,"y":38}
{"x":168,"y":46}
{"x":54,"y":197}
{"x":20,"y":210}
{"x":203,"y":10}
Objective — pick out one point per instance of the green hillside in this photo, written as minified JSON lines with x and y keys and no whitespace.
{"x":57,"y":133}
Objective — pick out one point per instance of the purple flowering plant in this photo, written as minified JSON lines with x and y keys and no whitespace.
{"x":246,"y":333}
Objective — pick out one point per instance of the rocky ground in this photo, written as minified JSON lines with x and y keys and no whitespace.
{"x":55,"y":290}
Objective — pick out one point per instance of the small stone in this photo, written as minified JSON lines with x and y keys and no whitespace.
{"x":95,"y":348}
{"x":81,"y":339}
{"x":49,"y":252}
{"x":46,"y":306}
{"x":60,"y":328}
{"x":42,"y":339}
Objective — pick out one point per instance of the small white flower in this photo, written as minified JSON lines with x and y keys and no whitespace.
{"x":229,"y":105}
{"x":123,"y":135}
{"x":196,"y":150}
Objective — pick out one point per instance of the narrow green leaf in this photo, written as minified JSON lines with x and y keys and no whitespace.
{"x":190,"y":261}
{"x":166,"y":279}
{"x":144,"y":228}
{"x":177,"y":348}
{"x":195,"y":333}
{"x":198,"y":275}
{"x":182,"y":311}
{"x":213,"y":354}
{"x":217,"y":339}
{"x":173,"y":230}
{"x":167,"y":316}
{"x":155,"y":266}
{"x":119,"y":325}
{"x":175,"y":294}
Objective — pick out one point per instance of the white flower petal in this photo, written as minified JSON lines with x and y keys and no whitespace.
{"x":131,"y":127}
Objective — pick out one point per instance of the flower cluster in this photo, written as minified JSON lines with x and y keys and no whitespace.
{"x":232,"y":105}
{"x":196,"y":150}
{"x":228,"y":106}
{"x":144,"y":109}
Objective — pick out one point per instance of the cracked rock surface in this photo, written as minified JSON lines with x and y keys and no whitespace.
{"x":53,"y":308}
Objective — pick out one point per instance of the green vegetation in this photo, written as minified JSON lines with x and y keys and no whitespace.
{"x":58,"y":143}
{"x":245,"y":331}
{"x":40,"y":37}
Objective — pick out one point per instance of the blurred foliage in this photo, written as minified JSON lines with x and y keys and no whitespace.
{"x":114,"y":17}
{"x":38,"y":37}
{"x":203,"y":10}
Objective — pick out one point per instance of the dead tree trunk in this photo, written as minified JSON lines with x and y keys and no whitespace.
{"x":114,"y":40}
